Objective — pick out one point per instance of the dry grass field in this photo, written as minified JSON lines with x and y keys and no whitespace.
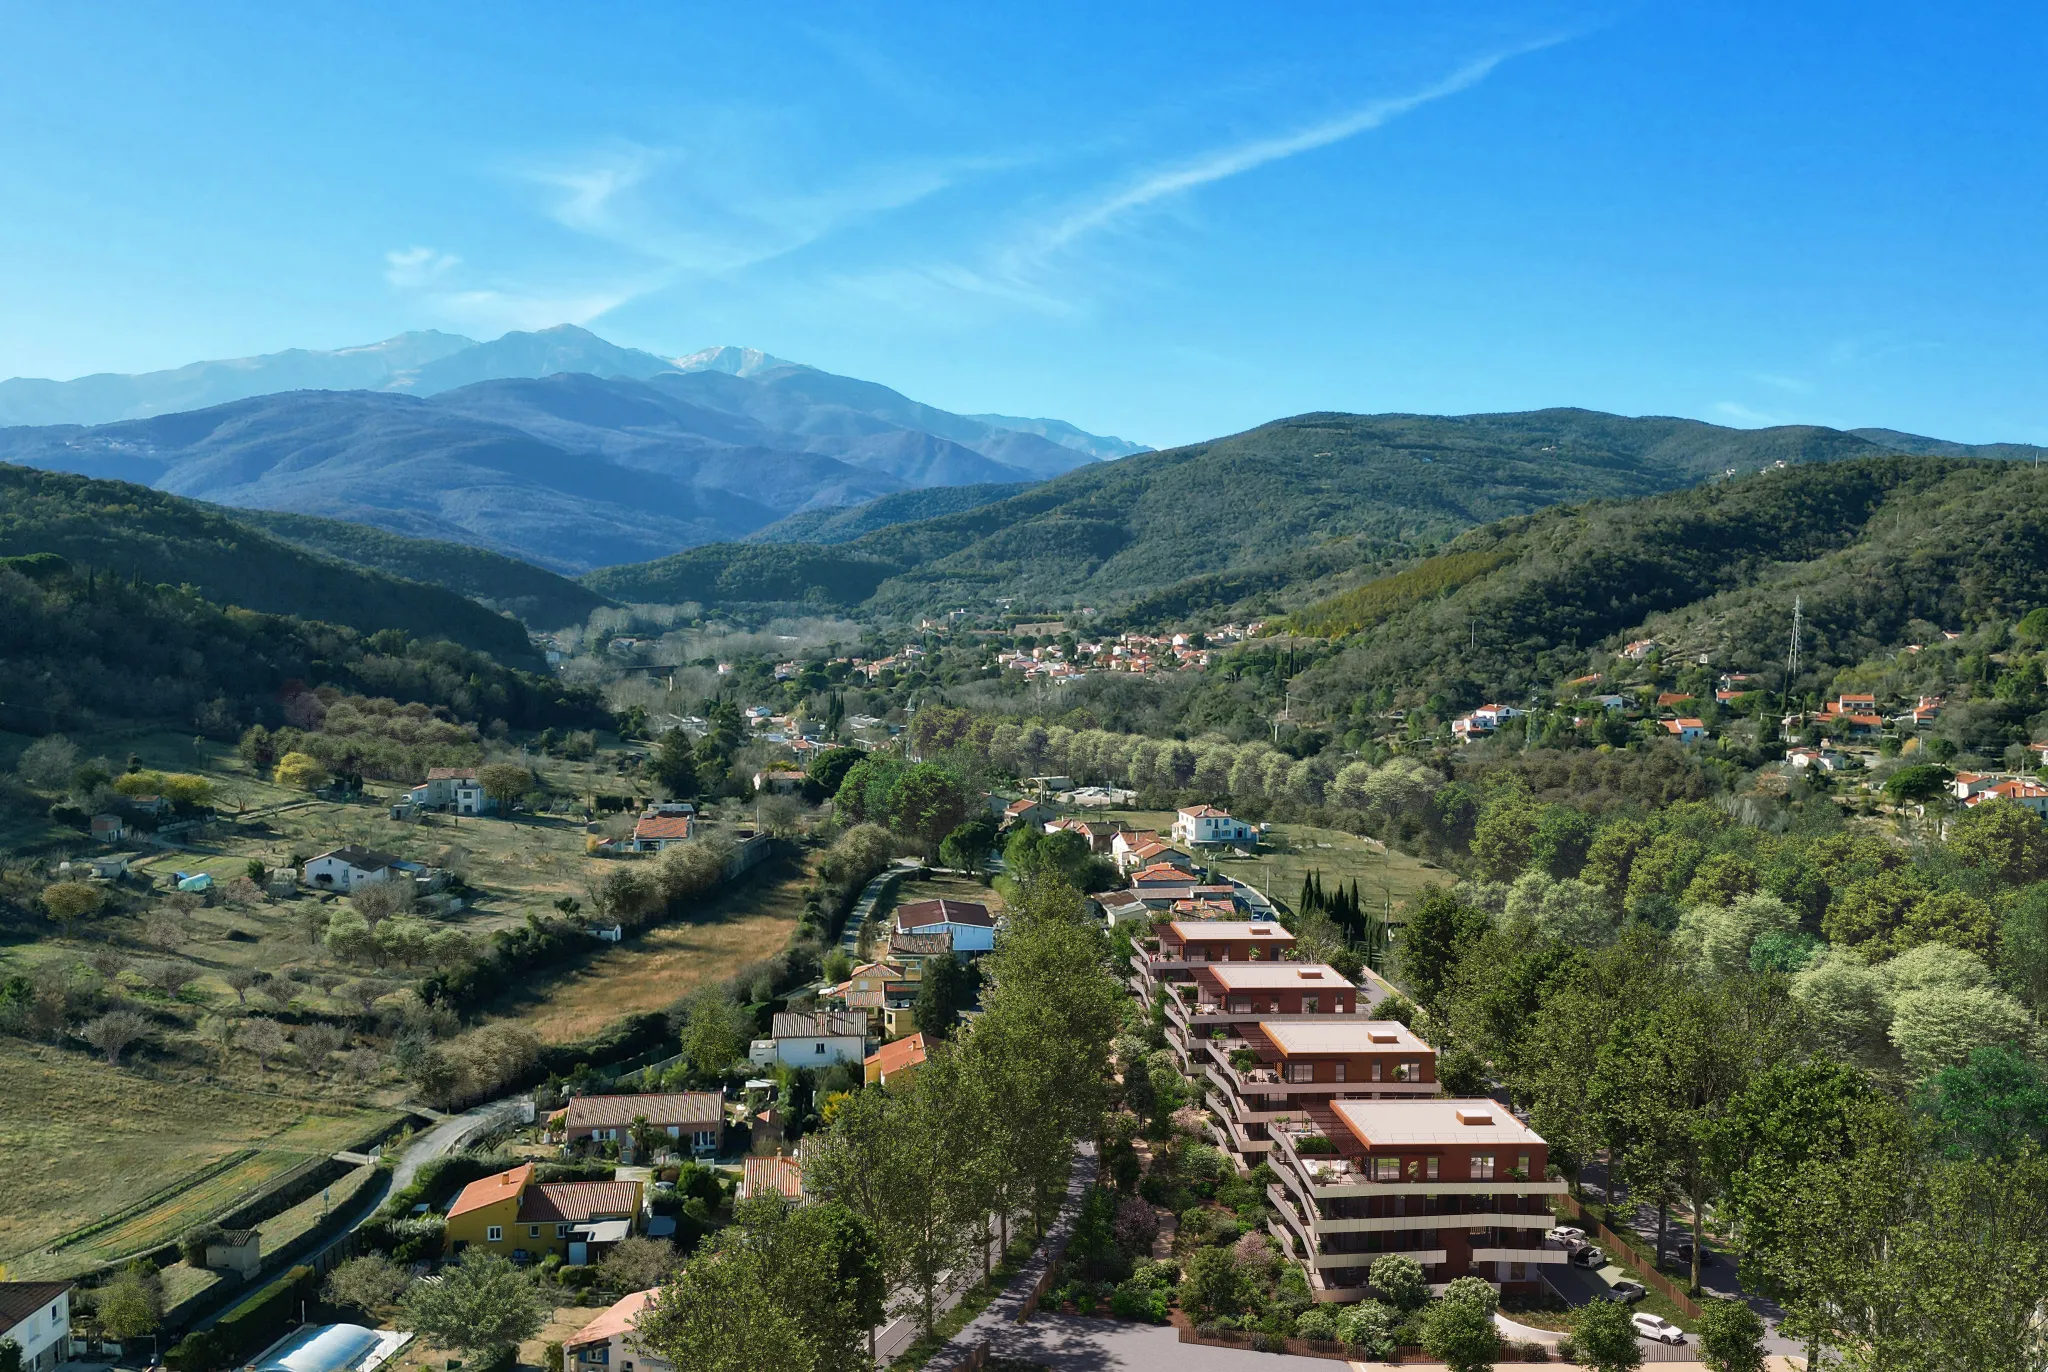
{"x":83,"y":1140}
{"x":651,"y":971}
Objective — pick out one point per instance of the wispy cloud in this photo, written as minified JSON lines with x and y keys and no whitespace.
{"x":1223,"y":163}
{"x":411,"y":268}
{"x":1744,"y":415}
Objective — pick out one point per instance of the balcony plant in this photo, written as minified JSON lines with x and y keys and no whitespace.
{"x":1315,"y":1143}
{"x":1243,"y":1059}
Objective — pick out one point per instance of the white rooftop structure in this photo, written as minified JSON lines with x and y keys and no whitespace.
{"x":1213,"y":929}
{"x":1377,"y":1122}
{"x":1276,"y":976}
{"x":331,"y":1348}
{"x":1340,"y":1036}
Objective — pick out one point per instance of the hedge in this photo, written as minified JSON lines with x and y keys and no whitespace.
{"x":246,"y":1329}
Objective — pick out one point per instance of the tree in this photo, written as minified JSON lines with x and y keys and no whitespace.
{"x":716,"y":1030}
{"x":674,"y":764}
{"x":300,"y":772}
{"x":507,"y":783}
{"x":132,"y":1305}
{"x":1731,"y":1337}
{"x":67,"y":902}
{"x":1916,"y":785}
{"x":1438,"y":928}
{"x":1401,"y":1280}
{"x":265,"y":1038}
{"x":482,"y":1305}
{"x":1211,"y":1284}
{"x":637,"y":1263}
{"x":10,"y":1356}
{"x":929,"y":803}
{"x":2003,"y":838}
{"x":785,"y":1287}
{"x":828,"y":770}
{"x":113,"y":1032}
{"x":1993,"y":1106}
{"x":368,"y":1283}
{"x":239,"y":980}
{"x":1605,"y":1338}
{"x":968,"y":846}
{"x":942,"y":992}
{"x":1460,"y":1335}
{"x":48,"y":762}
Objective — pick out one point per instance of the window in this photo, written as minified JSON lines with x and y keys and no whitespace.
{"x":533,"y":1231}
{"x":1340,"y":1071}
{"x":1301,"y":1071}
{"x":1311,"y":1005}
{"x":494,"y":1234}
{"x":1482,"y":1167}
{"x":1386,"y":1169}
{"x":1240,"y":1007}
{"x":1516,"y":1272}
{"x":1522,"y":1164}
{"x":1415,"y":1169}
{"x":1431,"y":1166}
{"x":1375,"y":1069}
{"x":561,"y":1231}
{"x":821,"y":1050}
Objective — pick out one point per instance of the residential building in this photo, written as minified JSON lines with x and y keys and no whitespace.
{"x":36,"y":1317}
{"x":1158,"y":895}
{"x":453,"y":789}
{"x":1459,"y":1186}
{"x":512,"y":1214}
{"x":655,"y":832}
{"x":971,"y":927}
{"x":2029,"y":795}
{"x":692,"y":1118}
{"x":900,"y":1058}
{"x":344,"y":869}
{"x":1685,"y":730}
{"x":778,"y":782}
{"x":1152,"y":853}
{"x":608,"y":1344}
{"x":1968,"y":784}
{"x":1124,"y":845}
{"x":1483,"y":721}
{"x":109,"y":828}
{"x":1099,"y":834}
{"x":772,"y":1173}
{"x":911,"y":949}
{"x":1181,"y":947}
{"x":1639,"y":649}
{"x":1203,"y":824}
{"x":817,"y":1038}
{"x":1027,"y":812}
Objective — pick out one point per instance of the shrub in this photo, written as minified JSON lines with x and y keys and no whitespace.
{"x":1317,"y":1322}
{"x":1401,"y":1281}
{"x":1315,"y":1143}
{"x":192,"y":1247}
{"x":1369,"y":1327}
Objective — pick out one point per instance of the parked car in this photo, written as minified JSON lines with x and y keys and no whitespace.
{"x":1589,"y":1256}
{"x":1627,"y":1292}
{"x":1566,"y":1233}
{"x":1658,"y":1328}
{"x":1684,"y":1251}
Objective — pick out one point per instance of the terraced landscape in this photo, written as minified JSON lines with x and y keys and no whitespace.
{"x":87,"y":1143}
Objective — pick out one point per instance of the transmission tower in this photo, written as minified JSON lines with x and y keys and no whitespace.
{"x":1792,"y":652}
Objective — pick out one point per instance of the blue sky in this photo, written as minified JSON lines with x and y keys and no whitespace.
{"x":1167,"y":221}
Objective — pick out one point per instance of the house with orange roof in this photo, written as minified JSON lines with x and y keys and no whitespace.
{"x":656,"y":832}
{"x":2030,"y":795}
{"x":903,"y":1056}
{"x":523,"y":1219}
{"x":1685,"y":730}
{"x":607,"y":1343}
{"x":772,"y":1174}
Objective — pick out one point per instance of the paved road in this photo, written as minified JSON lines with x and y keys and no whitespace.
{"x":452,"y":1133}
{"x":849,"y":939}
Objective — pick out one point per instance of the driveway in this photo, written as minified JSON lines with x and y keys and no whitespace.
{"x":452,"y":1133}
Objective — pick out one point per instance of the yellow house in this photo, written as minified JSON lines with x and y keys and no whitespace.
{"x":512,"y":1214}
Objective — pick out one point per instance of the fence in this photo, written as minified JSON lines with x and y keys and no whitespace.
{"x":1623,"y":1251}
{"x":973,"y":1360}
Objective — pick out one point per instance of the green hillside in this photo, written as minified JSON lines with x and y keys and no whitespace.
{"x":746,"y":574}
{"x":845,"y":523}
{"x":1249,"y":514}
{"x":1881,"y":552}
{"x":539,"y":597}
{"x":132,"y":532}
{"x":82,"y":648}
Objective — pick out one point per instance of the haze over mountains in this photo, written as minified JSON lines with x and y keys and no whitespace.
{"x":555,"y":446}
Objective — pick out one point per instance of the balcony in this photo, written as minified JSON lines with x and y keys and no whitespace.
{"x":1546,"y":1254}
{"x":1327,"y":1176}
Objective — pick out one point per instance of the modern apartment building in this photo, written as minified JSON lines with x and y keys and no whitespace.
{"x":1292,"y":1067}
{"x":1457,"y":1185}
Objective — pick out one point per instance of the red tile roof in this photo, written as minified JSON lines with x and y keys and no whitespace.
{"x":617,"y":1320}
{"x":573,"y":1202}
{"x":492,"y":1189}
{"x":662,"y":826}
{"x":761,"y":1175}
{"x":892,"y":1058}
{"x":616,"y":1112}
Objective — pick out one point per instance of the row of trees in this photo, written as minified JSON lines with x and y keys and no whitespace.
{"x":919,"y":1177}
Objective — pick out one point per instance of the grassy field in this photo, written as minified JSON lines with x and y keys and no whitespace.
{"x":83,"y":1140}
{"x":1291,"y":851}
{"x":750,"y":922}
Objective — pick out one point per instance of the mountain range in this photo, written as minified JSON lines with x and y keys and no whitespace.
{"x":556,"y":447}
{"x":1268,"y":519}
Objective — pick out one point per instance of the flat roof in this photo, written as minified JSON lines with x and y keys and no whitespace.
{"x":1271,"y":931}
{"x":1382,"y":1122}
{"x":1274,"y":976}
{"x":1337,"y":1036}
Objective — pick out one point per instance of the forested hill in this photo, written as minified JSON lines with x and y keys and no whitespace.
{"x":543,"y":599}
{"x":1342,"y":489}
{"x":1882,"y":552}
{"x":131,"y":532}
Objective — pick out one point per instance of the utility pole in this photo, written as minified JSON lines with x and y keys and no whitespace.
{"x":1792,"y":657}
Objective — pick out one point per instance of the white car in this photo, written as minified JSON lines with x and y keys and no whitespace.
{"x":1658,"y":1328}
{"x":1568,"y":1235}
